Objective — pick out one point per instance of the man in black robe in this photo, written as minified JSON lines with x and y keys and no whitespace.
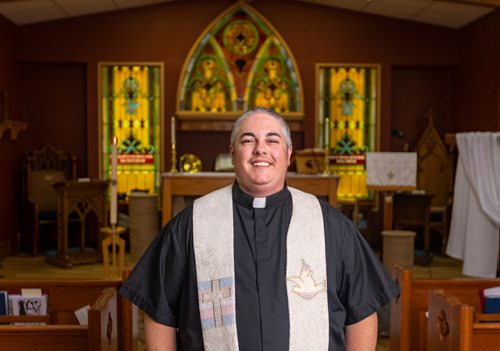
{"x":164,"y":283}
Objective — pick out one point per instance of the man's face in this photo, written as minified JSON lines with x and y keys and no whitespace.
{"x":260,"y":156}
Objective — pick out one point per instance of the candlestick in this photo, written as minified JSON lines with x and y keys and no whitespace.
{"x":327,"y":131}
{"x":173,"y":169}
{"x":172,"y":130}
{"x":113,"y":211}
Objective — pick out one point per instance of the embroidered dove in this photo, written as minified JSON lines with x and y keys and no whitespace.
{"x":305,"y":285}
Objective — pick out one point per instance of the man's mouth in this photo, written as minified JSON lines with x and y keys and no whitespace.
{"x":261,"y":164}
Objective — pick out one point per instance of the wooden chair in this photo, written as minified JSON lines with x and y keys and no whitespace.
{"x":41,"y":169}
{"x":435,"y":176}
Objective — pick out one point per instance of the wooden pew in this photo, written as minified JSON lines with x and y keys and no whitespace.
{"x":457,"y":326}
{"x":408,"y":326}
{"x":66,"y":296}
{"x":99,"y":335}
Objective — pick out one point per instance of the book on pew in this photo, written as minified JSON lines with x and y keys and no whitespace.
{"x":490,"y":299}
{"x":30,"y":302}
{"x":3,"y":303}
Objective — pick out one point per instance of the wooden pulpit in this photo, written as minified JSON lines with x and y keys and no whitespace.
{"x":80,"y":197}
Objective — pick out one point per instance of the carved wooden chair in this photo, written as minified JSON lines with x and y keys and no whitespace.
{"x":435,"y":176}
{"x":41,"y":169}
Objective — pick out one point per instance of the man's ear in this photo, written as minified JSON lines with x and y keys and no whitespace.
{"x":289,"y":155}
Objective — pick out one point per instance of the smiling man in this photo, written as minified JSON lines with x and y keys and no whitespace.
{"x":258,"y":265}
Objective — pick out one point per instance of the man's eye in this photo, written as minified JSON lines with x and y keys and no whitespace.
{"x":246,"y":141}
{"x":274,"y":141}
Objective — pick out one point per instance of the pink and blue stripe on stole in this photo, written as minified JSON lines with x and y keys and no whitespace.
{"x":217,"y":303}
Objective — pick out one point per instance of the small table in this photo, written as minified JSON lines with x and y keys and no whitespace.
{"x":198,"y":184}
{"x":80,"y":197}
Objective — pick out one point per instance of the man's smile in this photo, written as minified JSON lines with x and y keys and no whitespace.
{"x":261,"y":164}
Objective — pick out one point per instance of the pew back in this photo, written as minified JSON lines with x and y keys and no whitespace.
{"x":44,"y":337}
{"x":455,"y":325}
{"x":408,"y":321}
{"x":103,"y":330}
{"x":99,"y":335}
{"x":64,"y":296}
{"x":450,"y":323}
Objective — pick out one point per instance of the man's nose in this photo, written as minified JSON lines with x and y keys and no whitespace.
{"x":260,"y":148}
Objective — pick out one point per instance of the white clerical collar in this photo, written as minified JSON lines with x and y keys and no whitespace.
{"x":259,"y":202}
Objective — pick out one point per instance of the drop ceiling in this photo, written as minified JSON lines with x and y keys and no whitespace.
{"x":446,"y":13}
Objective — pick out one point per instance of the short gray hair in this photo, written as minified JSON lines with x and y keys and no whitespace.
{"x":259,"y":110}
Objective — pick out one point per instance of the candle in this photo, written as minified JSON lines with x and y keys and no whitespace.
{"x":327,"y":132}
{"x":113,"y":211}
{"x":172,"y":130}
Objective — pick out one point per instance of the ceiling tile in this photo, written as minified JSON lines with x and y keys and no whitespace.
{"x":443,"y":13}
{"x":85,"y":7}
{"x":23,"y":12}
{"x":397,"y":8}
{"x":134,"y":3}
{"x":356,"y":5}
{"x":453,"y":15}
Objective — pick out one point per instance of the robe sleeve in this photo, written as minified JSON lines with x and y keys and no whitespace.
{"x":363,"y":285}
{"x":159,"y":277}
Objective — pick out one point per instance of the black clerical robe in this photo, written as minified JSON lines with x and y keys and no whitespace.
{"x":164,"y":284}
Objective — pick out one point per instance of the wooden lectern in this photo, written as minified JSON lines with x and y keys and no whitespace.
{"x":80,"y":197}
{"x":390,"y":172}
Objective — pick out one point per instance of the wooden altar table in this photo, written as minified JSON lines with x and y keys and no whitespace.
{"x":198,"y":184}
{"x":80,"y":197}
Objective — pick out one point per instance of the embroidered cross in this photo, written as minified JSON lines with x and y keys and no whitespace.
{"x":215,"y":296}
{"x":390,"y":175}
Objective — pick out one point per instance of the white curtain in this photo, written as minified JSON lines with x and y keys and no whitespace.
{"x":475,"y":221}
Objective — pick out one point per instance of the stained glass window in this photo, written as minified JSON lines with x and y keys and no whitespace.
{"x":130,"y":106}
{"x":240,"y":62}
{"x":348,"y":101}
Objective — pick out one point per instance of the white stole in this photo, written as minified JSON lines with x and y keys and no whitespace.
{"x":305,"y":272}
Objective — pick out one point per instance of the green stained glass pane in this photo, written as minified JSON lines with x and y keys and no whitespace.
{"x":130,"y":111}
{"x":348,"y":97}
{"x":239,"y":63}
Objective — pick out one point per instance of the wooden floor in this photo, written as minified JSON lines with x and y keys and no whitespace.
{"x":29,"y":267}
{"x":26,"y":267}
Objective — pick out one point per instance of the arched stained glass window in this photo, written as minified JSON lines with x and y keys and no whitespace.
{"x":348,"y":97}
{"x":239,"y":62}
{"x":130,"y":107}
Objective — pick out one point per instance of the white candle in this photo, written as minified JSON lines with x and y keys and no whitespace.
{"x":172,"y":130}
{"x":327,"y":132}
{"x":113,"y":211}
